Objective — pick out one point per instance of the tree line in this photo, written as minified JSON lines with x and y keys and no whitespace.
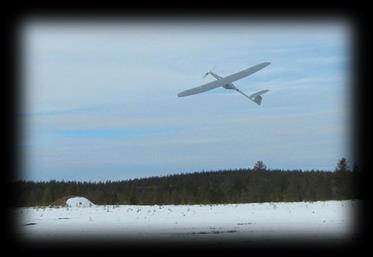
{"x":258,"y":184}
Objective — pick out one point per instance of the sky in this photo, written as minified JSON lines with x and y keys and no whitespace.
{"x":100,"y":98}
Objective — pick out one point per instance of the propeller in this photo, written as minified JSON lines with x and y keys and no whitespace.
{"x":207,"y":73}
{"x":204,"y":76}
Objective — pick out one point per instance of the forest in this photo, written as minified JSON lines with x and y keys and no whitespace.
{"x":258,"y":184}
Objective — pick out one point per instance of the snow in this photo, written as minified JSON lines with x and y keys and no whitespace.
{"x":315,"y":220}
{"x":79,"y":202}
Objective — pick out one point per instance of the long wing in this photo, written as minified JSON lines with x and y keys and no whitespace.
{"x":203,"y":88}
{"x":224,"y":81}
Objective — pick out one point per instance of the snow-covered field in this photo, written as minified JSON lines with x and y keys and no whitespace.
{"x":310,"y":220}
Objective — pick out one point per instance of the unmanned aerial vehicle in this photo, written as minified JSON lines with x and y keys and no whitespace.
{"x":226,"y":82}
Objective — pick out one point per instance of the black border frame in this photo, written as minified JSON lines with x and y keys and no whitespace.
{"x":12,"y":129}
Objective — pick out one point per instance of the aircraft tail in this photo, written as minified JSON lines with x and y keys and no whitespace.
{"x":257,"y":97}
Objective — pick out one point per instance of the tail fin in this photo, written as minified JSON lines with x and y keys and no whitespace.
{"x":257,"y":97}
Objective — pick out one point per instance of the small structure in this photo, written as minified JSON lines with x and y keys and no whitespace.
{"x":79,"y":202}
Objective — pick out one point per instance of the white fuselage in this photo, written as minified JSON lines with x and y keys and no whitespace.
{"x":229,"y":86}
{"x":226,"y":86}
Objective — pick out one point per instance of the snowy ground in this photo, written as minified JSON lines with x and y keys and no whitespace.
{"x":311,"y":220}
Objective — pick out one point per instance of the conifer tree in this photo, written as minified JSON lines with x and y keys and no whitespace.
{"x":342,"y":165}
{"x":260,"y":166}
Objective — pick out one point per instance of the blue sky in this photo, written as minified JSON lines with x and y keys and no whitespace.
{"x":100,"y":98}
